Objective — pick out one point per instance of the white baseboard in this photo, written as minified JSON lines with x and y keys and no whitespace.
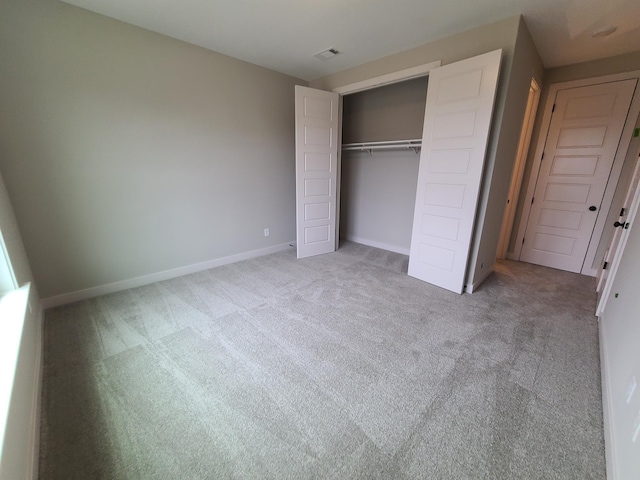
{"x":472,"y":287}
{"x":114,"y":287}
{"x":590,"y":272}
{"x":373,"y":243}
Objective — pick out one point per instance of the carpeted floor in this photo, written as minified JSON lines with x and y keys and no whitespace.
{"x":339,"y":366}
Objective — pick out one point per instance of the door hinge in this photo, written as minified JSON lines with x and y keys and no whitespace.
{"x":523,"y":240}
{"x":554,"y":108}
{"x":542,"y":157}
{"x":606,"y":264}
{"x":532,"y":199}
{"x":621,"y":212}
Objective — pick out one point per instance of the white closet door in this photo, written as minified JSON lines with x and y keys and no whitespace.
{"x":316,"y":170}
{"x":459,"y":108}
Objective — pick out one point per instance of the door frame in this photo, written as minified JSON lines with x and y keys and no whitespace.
{"x":388,"y":78}
{"x":360,"y":86}
{"x":616,"y":254}
{"x":616,"y":168}
{"x":515,"y":187}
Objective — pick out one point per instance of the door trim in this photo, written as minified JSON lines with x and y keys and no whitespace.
{"x":616,"y":168}
{"x":388,"y":79}
{"x":615,"y":255}
{"x":515,"y":188}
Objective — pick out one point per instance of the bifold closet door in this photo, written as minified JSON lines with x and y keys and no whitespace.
{"x":458,"y":113}
{"x":317,"y":123}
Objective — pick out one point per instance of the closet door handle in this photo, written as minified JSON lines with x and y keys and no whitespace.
{"x":618,"y":224}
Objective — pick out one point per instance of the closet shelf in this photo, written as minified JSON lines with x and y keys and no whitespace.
{"x":414,"y":145}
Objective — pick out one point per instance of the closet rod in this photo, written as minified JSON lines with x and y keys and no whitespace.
{"x":414,"y":145}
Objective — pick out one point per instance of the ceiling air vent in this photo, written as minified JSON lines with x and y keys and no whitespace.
{"x":327,"y":54}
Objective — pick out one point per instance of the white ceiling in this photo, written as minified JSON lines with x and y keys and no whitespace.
{"x":285,"y":34}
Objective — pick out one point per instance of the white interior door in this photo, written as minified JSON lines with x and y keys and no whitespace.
{"x":583,"y":138}
{"x":317,"y":123}
{"x":458,"y":115}
{"x":619,"y":226}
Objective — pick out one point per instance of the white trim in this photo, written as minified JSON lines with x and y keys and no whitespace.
{"x":589,"y":272}
{"x":627,"y":131}
{"x":515,"y":187}
{"x":617,"y":258}
{"x":612,"y":184}
{"x":338,"y":173}
{"x":375,"y":244}
{"x":513,"y":256}
{"x":606,"y":407}
{"x":472,"y":287}
{"x":114,"y":287}
{"x":388,"y":79}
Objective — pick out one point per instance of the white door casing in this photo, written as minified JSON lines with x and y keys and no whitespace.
{"x":518,"y":169}
{"x":316,"y":124}
{"x":584,"y":134}
{"x":620,"y":226}
{"x":601,"y":276}
{"x":458,"y":114}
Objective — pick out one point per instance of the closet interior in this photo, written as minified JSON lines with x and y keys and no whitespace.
{"x":381,"y":137}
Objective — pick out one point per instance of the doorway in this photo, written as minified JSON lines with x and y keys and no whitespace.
{"x":518,"y":169}
{"x":577,"y":164}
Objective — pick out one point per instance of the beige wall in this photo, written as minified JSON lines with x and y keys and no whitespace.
{"x":392,"y":112}
{"x":127,"y":153}
{"x":378,"y":198}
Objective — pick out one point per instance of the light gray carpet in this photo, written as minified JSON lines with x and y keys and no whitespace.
{"x":339,"y":366}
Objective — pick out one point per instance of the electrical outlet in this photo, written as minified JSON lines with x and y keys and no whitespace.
{"x":266,"y":232}
{"x":631,"y":388}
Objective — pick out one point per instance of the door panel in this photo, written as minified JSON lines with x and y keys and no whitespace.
{"x":317,"y":120}
{"x":458,"y":113}
{"x":581,"y":145}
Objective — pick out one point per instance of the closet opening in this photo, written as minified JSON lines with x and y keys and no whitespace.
{"x":381,"y":134}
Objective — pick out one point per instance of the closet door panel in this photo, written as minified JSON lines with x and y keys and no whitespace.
{"x":317,"y":120}
{"x":458,"y":115}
